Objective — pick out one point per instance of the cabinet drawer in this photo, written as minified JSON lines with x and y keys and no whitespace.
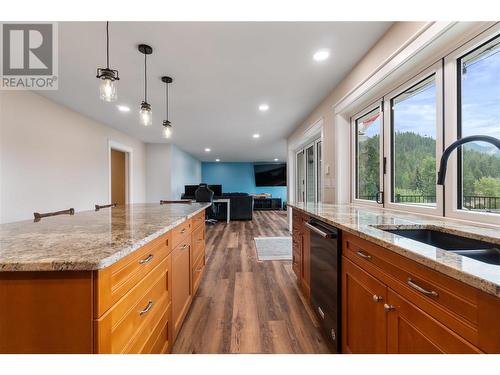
{"x":180,"y":232}
{"x":451,"y":302}
{"x":126,"y":326}
{"x":198,"y":242}
{"x":159,"y":340}
{"x":113,"y":282}
{"x":197,"y":272}
{"x":198,"y":219}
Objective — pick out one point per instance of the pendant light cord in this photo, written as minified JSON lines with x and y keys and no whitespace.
{"x":145,"y":79}
{"x":167,"y":99}
{"x":107,"y":44}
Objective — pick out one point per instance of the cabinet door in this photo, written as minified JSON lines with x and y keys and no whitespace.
{"x":412,"y":331}
{"x":181,"y":284}
{"x":364,"y":320}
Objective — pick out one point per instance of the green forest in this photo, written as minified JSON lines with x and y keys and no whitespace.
{"x":415,"y":168}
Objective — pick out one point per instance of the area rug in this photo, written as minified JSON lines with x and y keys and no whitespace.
{"x":274,"y":248}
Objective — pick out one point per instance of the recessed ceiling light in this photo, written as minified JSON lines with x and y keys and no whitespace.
{"x":263,"y":107}
{"x":217,"y":160}
{"x":123,"y":108}
{"x":276,"y":159}
{"x":207,"y":150}
{"x":321,"y":55}
{"x":256,"y":135}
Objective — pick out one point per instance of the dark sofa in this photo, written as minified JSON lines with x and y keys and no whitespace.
{"x":241,"y":207}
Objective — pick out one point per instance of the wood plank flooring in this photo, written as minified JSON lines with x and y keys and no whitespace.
{"x":247,"y":306}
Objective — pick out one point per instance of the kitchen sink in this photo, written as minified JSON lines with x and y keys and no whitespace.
{"x":479,"y":250}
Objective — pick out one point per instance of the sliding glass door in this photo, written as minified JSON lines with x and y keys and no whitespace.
{"x":308,"y":164}
{"x":300,"y":182}
{"x":310,"y":174}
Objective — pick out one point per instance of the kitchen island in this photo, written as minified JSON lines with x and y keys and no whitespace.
{"x":400,"y":295}
{"x":117,"y":280}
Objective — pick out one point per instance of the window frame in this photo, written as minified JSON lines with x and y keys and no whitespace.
{"x":297,"y":199}
{"x":354,"y":151}
{"x":388,"y":139}
{"x":451,"y":117}
{"x":319,"y":169}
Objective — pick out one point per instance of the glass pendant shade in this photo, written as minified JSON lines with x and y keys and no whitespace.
{"x":145,"y":114}
{"x":107,"y":76}
{"x":107,"y":90}
{"x":167,"y":129}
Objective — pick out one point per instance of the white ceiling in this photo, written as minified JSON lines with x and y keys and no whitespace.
{"x":221,"y":71}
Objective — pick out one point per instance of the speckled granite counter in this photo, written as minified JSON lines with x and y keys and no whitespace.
{"x":361,"y":221}
{"x":88,"y":240}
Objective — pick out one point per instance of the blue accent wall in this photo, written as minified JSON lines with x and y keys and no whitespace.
{"x":237,"y":178}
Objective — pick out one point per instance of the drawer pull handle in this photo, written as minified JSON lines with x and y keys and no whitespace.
{"x":431,"y":293}
{"x":377,"y":298}
{"x":147,"y":309}
{"x":147,"y":260}
{"x":184,"y":246}
{"x":363,"y":255}
{"x":388,"y":308}
{"x":183,"y":230}
{"x":199,"y":269}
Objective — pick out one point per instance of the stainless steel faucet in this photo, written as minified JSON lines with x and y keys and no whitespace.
{"x":446,"y":154}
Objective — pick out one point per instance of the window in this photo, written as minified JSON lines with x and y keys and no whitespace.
{"x":479,"y":114}
{"x":413,"y":148}
{"x":457,"y":96}
{"x":367,"y":155}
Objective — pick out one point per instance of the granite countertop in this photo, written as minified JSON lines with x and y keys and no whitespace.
{"x":88,"y":240}
{"x":362,"y":221}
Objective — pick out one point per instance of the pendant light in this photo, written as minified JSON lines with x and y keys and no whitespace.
{"x":107,"y":76}
{"x":145,"y":113}
{"x":167,"y":126}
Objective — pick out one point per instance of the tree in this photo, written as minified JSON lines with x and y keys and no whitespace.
{"x":487,"y":186}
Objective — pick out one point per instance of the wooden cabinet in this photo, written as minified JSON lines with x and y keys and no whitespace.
{"x":391,"y":304}
{"x":301,"y":254}
{"x":365,"y":321}
{"x":181,"y":283}
{"x":136,"y":305}
{"x":412,"y":331}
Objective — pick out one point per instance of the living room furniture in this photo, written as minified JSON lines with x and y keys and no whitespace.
{"x":240,"y":207}
{"x":267,"y":204}
{"x":204,"y":194}
{"x":228,"y":206}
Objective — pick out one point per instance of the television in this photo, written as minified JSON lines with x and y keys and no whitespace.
{"x":270,"y":174}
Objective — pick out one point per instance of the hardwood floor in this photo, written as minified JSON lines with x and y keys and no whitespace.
{"x":247,"y":306}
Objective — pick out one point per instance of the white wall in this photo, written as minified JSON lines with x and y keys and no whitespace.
{"x":168,"y":169}
{"x":185,"y":170}
{"x":158,"y":160}
{"x":53,"y":158}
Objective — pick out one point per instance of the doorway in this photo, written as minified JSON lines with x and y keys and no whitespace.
{"x":118,"y":177}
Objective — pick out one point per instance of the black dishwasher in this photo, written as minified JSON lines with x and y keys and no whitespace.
{"x":326,"y":279}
